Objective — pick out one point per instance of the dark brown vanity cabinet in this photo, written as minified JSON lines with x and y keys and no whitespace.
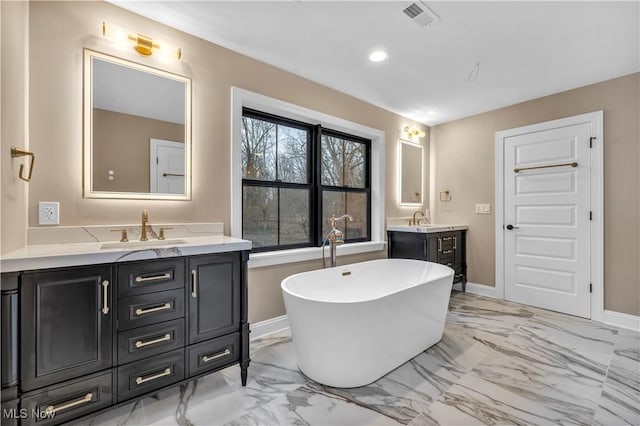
{"x":447,"y":248}
{"x":87,"y":338}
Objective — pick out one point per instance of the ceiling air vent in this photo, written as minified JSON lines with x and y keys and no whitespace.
{"x":421,"y":14}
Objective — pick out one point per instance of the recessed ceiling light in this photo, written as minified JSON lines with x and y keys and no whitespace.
{"x":431,"y":112}
{"x":378,"y":56}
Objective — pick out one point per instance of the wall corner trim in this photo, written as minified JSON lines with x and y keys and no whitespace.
{"x":622,"y":320}
{"x":481,"y":289}
{"x":269,"y":326}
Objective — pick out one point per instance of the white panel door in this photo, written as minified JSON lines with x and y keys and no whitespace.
{"x":546,"y":213}
{"x":167,"y":167}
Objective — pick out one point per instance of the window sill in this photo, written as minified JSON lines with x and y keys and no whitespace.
{"x":269,"y":258}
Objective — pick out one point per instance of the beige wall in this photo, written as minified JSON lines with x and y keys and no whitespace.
{"x":56,"y":119}
{"x":13,"y":122}
{"x":121,"y":144}
{"x":55,"y":111}
{"x":464,"y":158}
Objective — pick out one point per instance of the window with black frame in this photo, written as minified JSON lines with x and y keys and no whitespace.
{"x":295,"y":176}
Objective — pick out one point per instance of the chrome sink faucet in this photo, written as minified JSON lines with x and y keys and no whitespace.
{"x":335,"y":237}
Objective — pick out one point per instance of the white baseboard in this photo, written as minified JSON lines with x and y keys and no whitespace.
{"x":481,"y":289}
{"x":270,"y":326}
{"x":621,"y":320}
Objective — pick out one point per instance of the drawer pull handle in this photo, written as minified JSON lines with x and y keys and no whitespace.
{"x":141,"y":344}
{"x":194,"y":283}
{"x":164,"y":276}
{"x":439,"y":244}
{"x":140,"y":311}
{"x":446,"y":252}
{"x":140,"y":380}
{"x":105,"y":297}
{"x":208,"y":358}
{"x":51,"y":409}
{"x":455,"y":243}
{"x":446,"y":239}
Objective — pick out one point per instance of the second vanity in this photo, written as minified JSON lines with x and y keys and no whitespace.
{"x":87,"y":326}
{"x":445,"y":244}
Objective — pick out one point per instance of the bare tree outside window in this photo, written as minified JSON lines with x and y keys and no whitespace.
{"x":279,"y":206}
{"x":272,"y":152}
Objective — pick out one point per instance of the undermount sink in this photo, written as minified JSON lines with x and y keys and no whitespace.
{"x":419,"y":228}
{"x":141,"y":244}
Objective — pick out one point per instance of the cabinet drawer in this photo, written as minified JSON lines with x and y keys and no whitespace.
{"x":150,"y":340}
{"x":447,"y":243}
{"x":150,"y":276}
{"x":10,"y":413}
{"x":69,"y":401}
{"x":152,"y":308}
{"x":149,"y":374}
{"x":446,"y":258}
{"x":213,"y":353}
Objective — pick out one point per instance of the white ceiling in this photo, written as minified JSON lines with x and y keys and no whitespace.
{"x":525,"y":49}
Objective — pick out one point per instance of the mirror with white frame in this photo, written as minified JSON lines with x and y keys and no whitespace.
{"x":137,"y":130}
{"x":410,"y":173}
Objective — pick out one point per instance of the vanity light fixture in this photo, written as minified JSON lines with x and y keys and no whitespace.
{"x":142,"y":44}
{"x":412,"y":132}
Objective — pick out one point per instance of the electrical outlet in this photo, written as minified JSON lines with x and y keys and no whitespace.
{"x":483,"y":208}
{"x":48,"y":213}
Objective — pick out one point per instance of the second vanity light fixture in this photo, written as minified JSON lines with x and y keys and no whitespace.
{"x":142,"y":44}
{"x":412,"y":132}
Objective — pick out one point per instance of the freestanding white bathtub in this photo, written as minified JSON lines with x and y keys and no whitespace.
{"x":353,"y":324}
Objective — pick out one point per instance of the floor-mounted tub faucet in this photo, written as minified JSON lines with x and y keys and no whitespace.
{"x":335,"y":237}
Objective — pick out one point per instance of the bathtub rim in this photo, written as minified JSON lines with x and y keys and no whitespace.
{"x":444,"y":271}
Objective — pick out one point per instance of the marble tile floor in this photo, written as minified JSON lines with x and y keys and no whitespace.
{"x":498,"y":363}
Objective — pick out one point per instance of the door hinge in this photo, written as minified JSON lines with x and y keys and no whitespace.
{"x":157,"y":160}
{"x":591,"y":139}
{"x":590,"y":288}
{"x":590,"y":215}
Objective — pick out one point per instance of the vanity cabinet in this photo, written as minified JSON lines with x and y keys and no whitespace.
{"x":215,"y":281}
{"x":88,"y":338}
{"x":447,"y":248}
{"x":66,"y":324}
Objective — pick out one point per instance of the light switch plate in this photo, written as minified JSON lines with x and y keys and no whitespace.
{"x":49,"y":213}
{"x":483,"y":208}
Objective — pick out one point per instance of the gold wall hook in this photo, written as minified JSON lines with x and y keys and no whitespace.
{"x":17,"y":152}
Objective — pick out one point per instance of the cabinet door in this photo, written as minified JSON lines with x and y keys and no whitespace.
{"x":458,"y":247}
{"x":434,"y":247}
{"x":66,"y":324}
{"x":407,"y":245}
{"x":214,"y":296}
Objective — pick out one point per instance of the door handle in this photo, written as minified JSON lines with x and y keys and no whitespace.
{"x":510,"y":227}
{"x":105,"y":297}
{"x":140,"y":311}
{"x":164,"y":276}
{"x":194,"y":283}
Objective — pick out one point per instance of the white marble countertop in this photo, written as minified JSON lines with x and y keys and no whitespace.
{"x":41,"y":256}
{"x":426,"y":229}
